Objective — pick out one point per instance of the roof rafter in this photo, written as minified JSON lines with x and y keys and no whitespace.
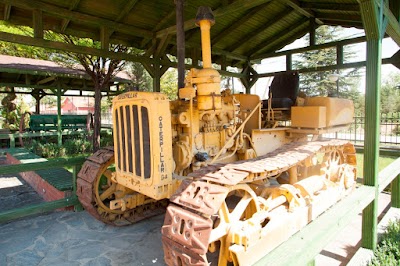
{"x":335,"y":17}
{"x":127,"y":8}
{"x":239,"y":5}
{"x":159,"y":26}
{"x":280,"y":39}
{"x":78,"y":17}
{"x":226,"y":31}
{"x":65,"y":22}
{"x":295,"y":4}
{"x":330,"y":6}
{"x":260,"y":29}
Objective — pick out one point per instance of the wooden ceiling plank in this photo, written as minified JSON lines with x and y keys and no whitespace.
{"x":227,"y":30}
{"x":78,"y":17}
{"x":65,"y":22}
{"x":7,"y":12}
{"x":237,"y":6}
{"x":260,"y":29}
{"x":159,"y":26}
{"x":127,"y":9}
{"x":295,"y":4}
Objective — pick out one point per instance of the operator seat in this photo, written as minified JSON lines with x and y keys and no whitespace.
{"x":284,"y":89}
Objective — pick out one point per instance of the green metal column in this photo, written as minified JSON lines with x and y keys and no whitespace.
{"x":372,"y":20}
{"x":59,"y":129}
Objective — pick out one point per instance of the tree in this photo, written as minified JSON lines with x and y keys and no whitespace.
{"x":390,"y":94}
{"x":21,"y":50}
{"x":318,"y":83}
{"x":100,"y":69}
{"x":169,"y":83}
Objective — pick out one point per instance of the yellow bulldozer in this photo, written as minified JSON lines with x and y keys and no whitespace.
{"x":237,"y":184}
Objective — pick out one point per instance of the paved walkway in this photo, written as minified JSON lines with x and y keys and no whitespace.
{"x":75,"y":238}
{"x":68,"y":238}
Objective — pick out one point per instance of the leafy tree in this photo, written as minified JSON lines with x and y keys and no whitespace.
{"x":100,"y":69}
{"x":169,"y":83}
{"x":390,"y":94}
{"x":318,"y":83}
{"x":21,"y":50}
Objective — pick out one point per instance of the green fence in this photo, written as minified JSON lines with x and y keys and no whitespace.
{"x":75,"y":163}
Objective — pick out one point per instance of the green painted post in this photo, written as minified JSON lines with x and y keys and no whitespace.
{"x":12,"y":141}
{"x":372,"y":20}
{"x":396,"y":192}
{"x":59,"y":129}
{"x":371,"y":142}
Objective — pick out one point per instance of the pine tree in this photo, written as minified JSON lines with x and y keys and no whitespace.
{"x":318,"y":83}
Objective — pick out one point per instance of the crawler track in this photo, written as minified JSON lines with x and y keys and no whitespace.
{"x":95,"y":189}
{"x":203,"y":227}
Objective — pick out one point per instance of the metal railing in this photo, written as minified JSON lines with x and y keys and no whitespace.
{"x":389,"y":130}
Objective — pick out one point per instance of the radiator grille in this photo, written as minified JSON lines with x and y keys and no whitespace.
{"x":133,"y":140}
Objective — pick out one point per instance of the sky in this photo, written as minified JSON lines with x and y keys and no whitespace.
{"x":389,"y":47}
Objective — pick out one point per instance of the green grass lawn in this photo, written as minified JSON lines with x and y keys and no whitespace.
{"x":382,"y":163}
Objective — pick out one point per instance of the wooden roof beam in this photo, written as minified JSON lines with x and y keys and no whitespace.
{"x":393,"y":28}
{"x":37,"y":18}
{"x":309,"y":48}
{"x":343,"y":23}
{"x":239,"y":5}
{"x":394,"y":6}
{"x":159,"y":26}
{"x":264,"y":27}
{"x":7,"y":12}
{"x":60,"y":46}
{"x":330,"y":6}
{"x":78,"y":17}
{"x":65,"y":22}
{"x":295,"y":4}
{"x":338,"y":17}
{"x":280,"y":39}
{"x":227,"y":30}
{"x":127,"y":9}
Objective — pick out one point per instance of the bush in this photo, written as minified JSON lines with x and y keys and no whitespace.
{"x":77,"y":145}
{"x":388,"y":250}
{"x":46,"y":150}
{"x":106,"y":139}
{"x":72,"y":145}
